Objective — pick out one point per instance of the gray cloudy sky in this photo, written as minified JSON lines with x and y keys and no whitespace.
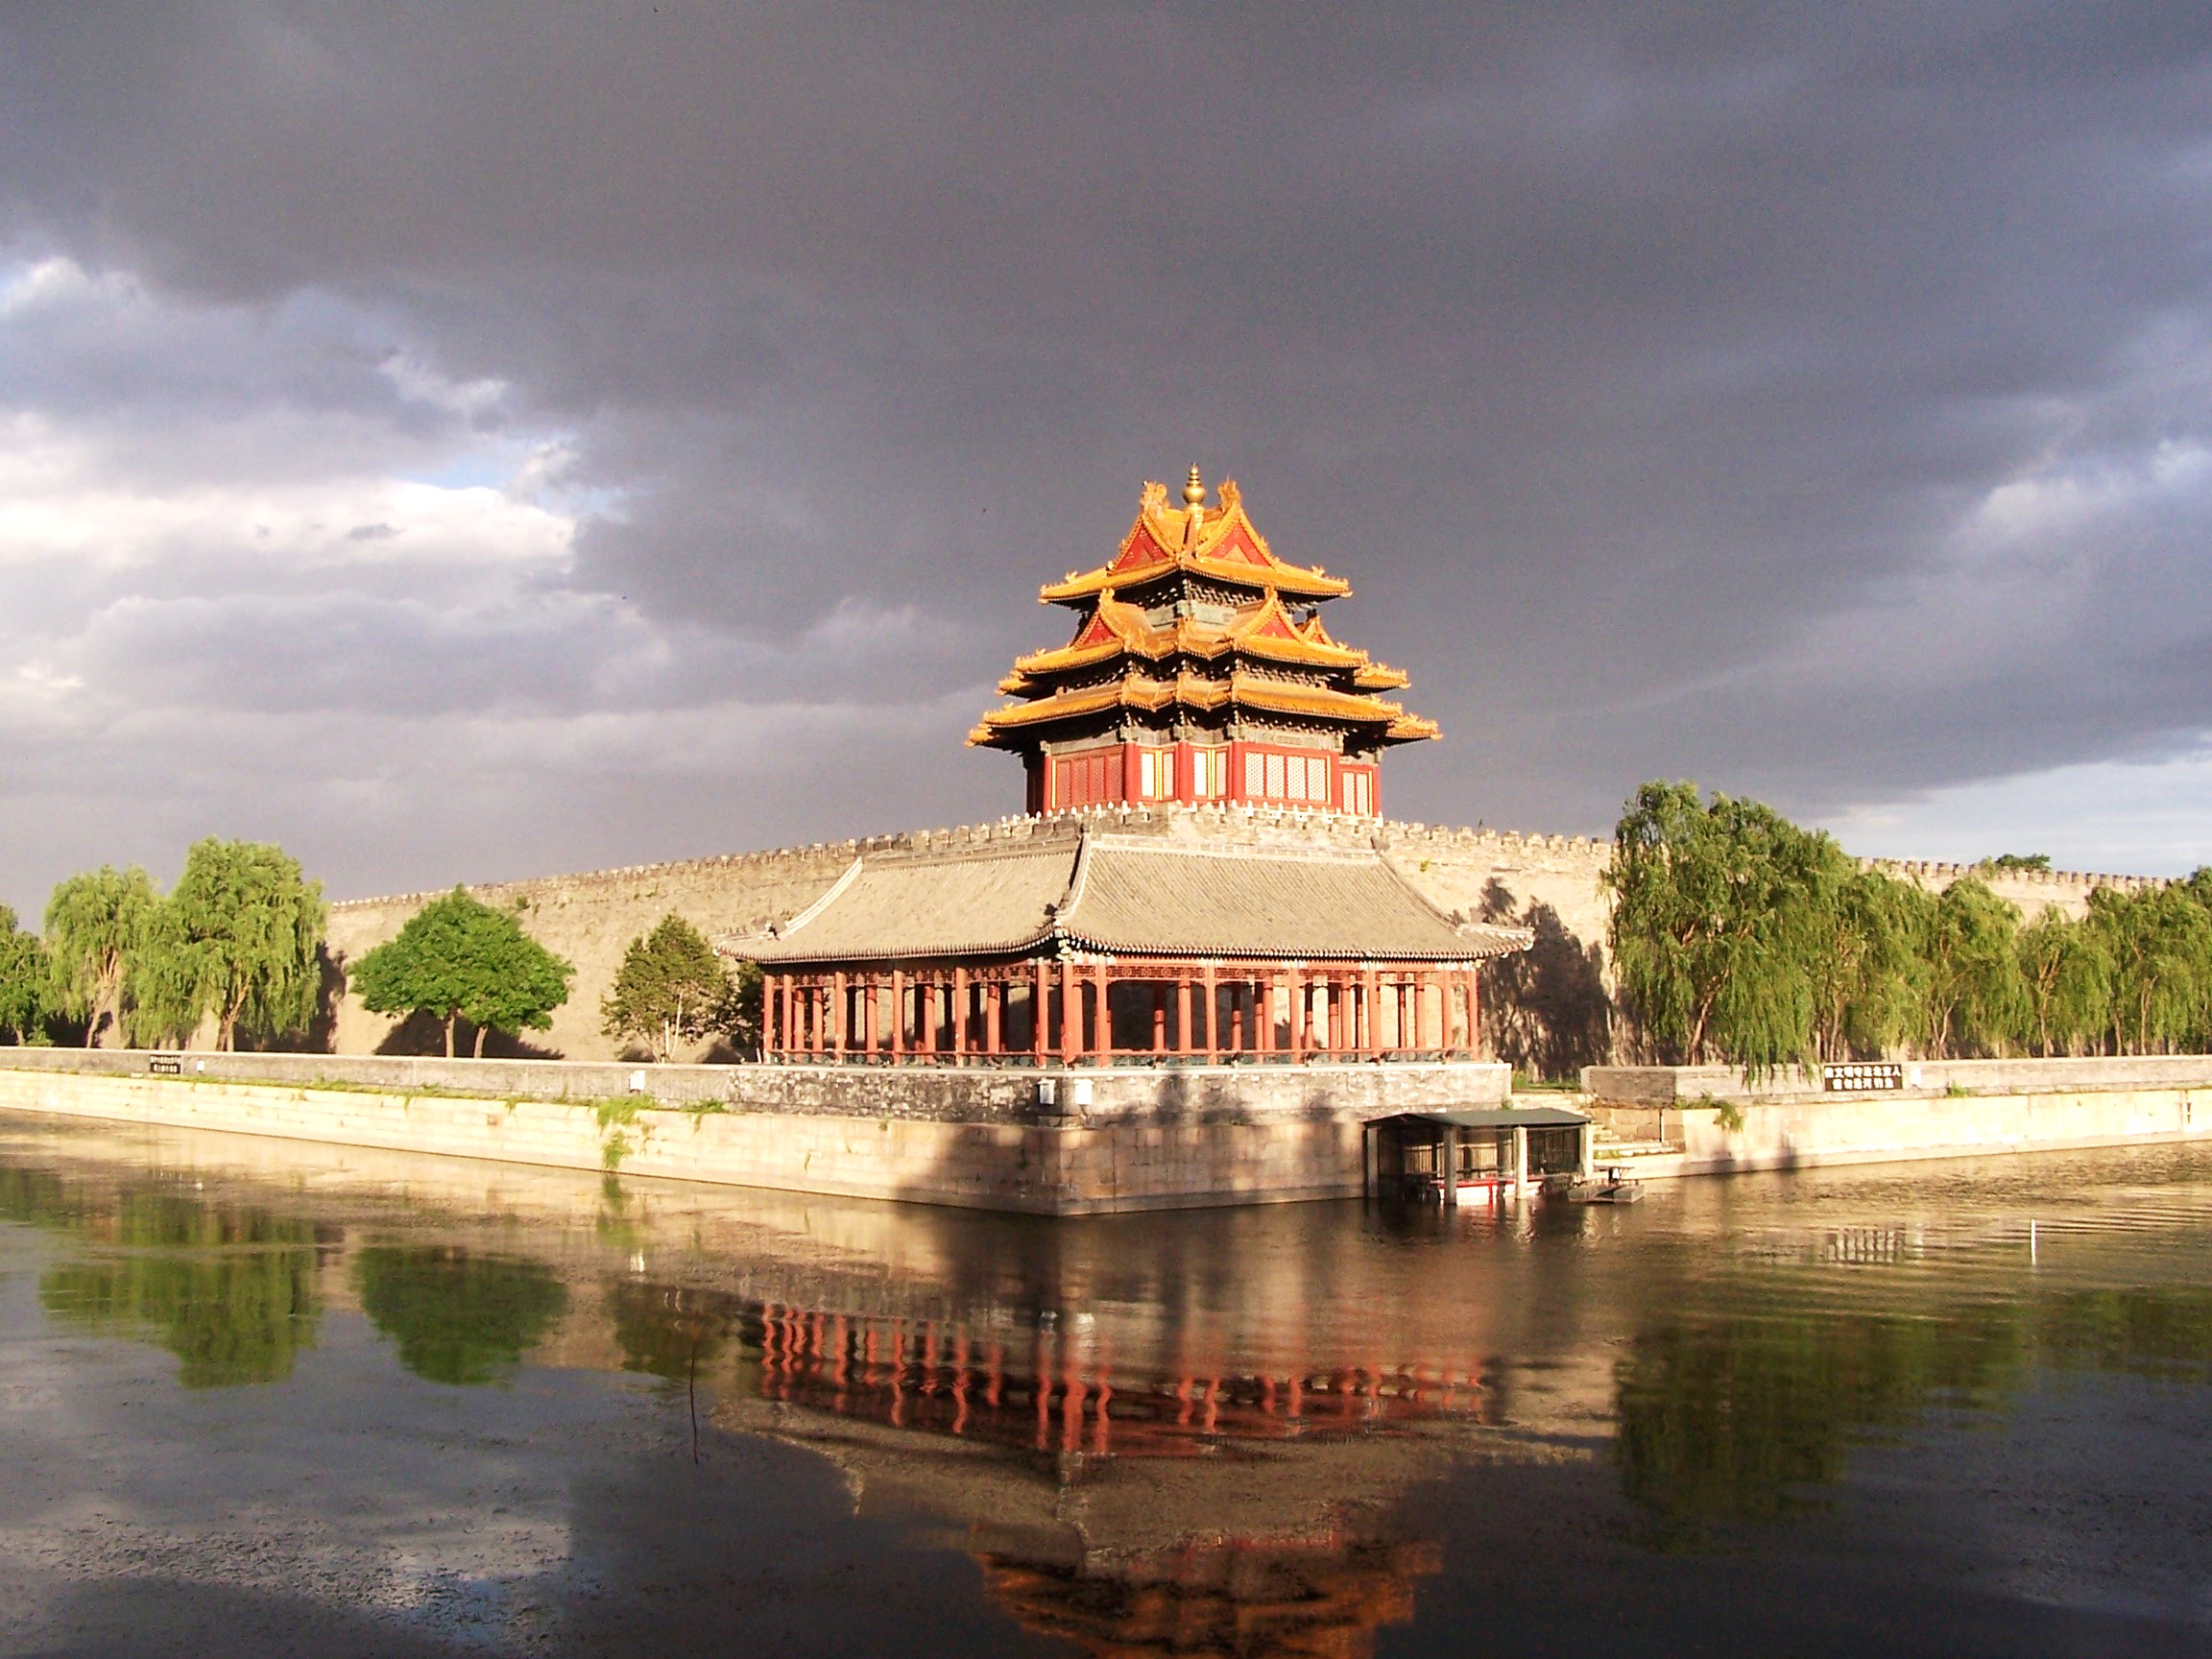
{"x":467,"y":441}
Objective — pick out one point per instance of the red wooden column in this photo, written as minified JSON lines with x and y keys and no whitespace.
{"x":837,"y":1013}
{"x":1041,"y":1039}
{"x":1370,"y":1011}
{"x":1158,"y":1016}
{"x":1071,"y":1014}
{"x":1332,"y":993}
{"x":1102,"y":1026}
{"x":898,"y":1014}
{"x":1183,"y":1013}
{"x":1212,"y":1016}
{"x":993,"y":1009}
{"x":1474,"y":1011}
{"x":1278,"y":985}
{"x":960,"y":1016}
{"x":1421,"y":1010}
{"x":1301,"y":1004}
{"x":874,"y":1025}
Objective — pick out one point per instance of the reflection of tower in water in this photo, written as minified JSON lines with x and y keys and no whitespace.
{"x":1131,"y":1512}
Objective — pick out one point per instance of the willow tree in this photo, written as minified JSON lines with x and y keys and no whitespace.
{"x":1976,"y":1000}
{"x":25,"y":980}
{"x":458,"y":958}
{"x":1721,"y":909}
{"x":238,"y":939}
{"x":96,"y":925}
{"x":1865,"y":966}
{"x":2066,"y":972}
{"x":2160,"y":945}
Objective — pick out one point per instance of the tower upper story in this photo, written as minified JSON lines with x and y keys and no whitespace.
{"x":1200,"y":670}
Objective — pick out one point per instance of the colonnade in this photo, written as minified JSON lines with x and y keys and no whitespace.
{"x":1102,"y":1012}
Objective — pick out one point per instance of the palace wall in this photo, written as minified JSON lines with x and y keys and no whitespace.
{"x":590,"y":918}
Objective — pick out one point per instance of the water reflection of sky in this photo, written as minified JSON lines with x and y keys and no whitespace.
{"x":1234,"y":1432}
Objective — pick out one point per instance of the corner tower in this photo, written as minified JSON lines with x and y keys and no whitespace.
{"x":1200,"y":671}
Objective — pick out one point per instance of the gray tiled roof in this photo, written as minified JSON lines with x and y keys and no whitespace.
{"x":1136,"y":897}
{"x":1126,"y":897}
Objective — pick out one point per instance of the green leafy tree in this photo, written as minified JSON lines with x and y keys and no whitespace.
{"x":671,"y":990}
{"x":96,"y":928}
{"x":1977,"y":1000}
{"x":1865,"y":930}
{"x":458,"y":958}
{"x":2067,"y":974}
{"x":2160,"y":945}
{"x":25,"y":980}
{"x":1716,"y":918}
{"x":238,"y":938}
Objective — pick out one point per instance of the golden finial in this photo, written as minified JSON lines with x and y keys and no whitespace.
{"x":1194,"y":489}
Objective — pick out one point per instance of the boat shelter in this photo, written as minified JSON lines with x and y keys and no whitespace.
{"x":1484,"y":1151}
{"x":1081,"y":947}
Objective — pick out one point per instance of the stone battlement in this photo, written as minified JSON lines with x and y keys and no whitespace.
{"x":1233,"y":824}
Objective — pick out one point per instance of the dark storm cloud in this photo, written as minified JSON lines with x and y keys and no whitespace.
{"x":1813,"y":400}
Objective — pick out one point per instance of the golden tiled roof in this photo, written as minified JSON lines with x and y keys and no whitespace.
{"x":1142,"y":691}
{"x":1221,"y":545}
{"x":1265,"y":630}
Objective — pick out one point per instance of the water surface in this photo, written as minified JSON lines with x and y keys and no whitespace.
{"x":264,"y":1396}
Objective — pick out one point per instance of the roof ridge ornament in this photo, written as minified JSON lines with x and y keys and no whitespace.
{"x":1193,"y":499}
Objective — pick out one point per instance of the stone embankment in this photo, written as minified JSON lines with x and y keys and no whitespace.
{"x":591,"y":917}
{"x":1714,"y":1120}
{"x":1132,"y":1138}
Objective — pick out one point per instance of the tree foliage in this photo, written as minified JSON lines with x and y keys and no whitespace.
{"x":25,"y":980}
{"x":458,"y":958}
{"x":1738,"y":936}
{"x":672,"y":990}
{"x":239,"y":939}
{"x":96,"y":929}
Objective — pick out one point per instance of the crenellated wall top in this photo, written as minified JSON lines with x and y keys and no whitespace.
{"x":1255,"y":825}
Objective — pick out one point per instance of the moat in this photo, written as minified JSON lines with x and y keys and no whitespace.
{"x":267,"y":1398}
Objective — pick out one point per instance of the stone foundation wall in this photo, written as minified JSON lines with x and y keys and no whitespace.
{"x":937,"y":1094}
{"x":1870,"y":1129}
{"x":1064,"y":1166}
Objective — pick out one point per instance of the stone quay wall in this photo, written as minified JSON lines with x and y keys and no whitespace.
{"x":940,"y":1093}
{"x":591,"y":917}
{"x":1890,"y":1129}
{"x":1105,"y":1143}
